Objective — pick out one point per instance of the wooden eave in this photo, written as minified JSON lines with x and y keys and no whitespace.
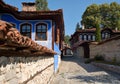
{"x":52,"y":15}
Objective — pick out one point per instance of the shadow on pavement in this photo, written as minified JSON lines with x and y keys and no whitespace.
{"x":88,"y":67}
{"x":103,"y":78}
{"x":91,"y":68}
{"x":80,"y":61}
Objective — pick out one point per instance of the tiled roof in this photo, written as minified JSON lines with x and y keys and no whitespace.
{"x":94,"y":29}
{"x":87,"y":30}
{"x":30,"y":14}
{"x":11,"y":39}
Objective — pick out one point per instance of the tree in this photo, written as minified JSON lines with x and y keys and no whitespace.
{"x":77,"y":27}
{"x":89,"y":15}
{"x":105,"y":14}
{"x":108,"y":13}
{"x":115,"y":14}
{"x":98,"y":31}
{"x":42,"y":5}
{"x":118,"y":25}
{"x":66,"y":39}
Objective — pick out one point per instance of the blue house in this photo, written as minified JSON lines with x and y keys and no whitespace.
{"x":44,"y":27}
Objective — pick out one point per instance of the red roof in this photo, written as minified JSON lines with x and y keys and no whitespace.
{"x":12,"y":42}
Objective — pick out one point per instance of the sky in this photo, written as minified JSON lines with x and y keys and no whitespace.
{"x":72,"y":9}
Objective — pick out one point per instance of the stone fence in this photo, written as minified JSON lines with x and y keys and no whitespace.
{"x":109,"y":49}
{"x":26,"y":70}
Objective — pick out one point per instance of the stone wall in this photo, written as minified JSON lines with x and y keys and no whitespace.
{"x":26,"y":70}
{"x":110,"y":50}
{"x":79,"y":52}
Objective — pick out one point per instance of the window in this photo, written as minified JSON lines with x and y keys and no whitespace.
{"x":93,"y":38}
{"x":26,"y":30}
{"x":80,"y":38}
{"x":85,"y":37}
{"x":89,"y":37}
{"x":41,"y":31}
{"x":107,"y":35}
{"x":103,"y":36}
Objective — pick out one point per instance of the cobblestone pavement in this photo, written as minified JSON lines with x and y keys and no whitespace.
{"x":75,"y":71}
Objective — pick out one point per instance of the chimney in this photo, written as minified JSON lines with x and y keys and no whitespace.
{"x":30,"y":6}
{"x":83,"y":27}
{"x":116,"y":29}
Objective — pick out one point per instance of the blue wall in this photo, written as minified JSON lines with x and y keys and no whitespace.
{"x":12,"y":19}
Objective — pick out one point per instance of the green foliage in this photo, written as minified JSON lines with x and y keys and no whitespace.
{"x":89,"y":61}
{"x":88,"y":18}
{"x":98,"y":31}
{"x":62,"y":74}
{"x":118,"y":24}
{"x":42,"y":5}
{"x":66,"y":39}
{"x":99,"y":58}
{"x":114,"y":59}
{"x":108,"y":13}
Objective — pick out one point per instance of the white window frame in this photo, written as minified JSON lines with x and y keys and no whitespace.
{"x":85,"y":37}
{"x":93,"y":37}
{"x":89,"y":37}
{"x":80,"y":37}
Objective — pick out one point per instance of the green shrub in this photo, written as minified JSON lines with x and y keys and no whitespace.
{"x":99,"y":57}
{"x":114,"y":59}
{"x":88,"y":61}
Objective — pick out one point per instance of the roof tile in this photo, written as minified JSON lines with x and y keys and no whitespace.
{"x":14,"y":38}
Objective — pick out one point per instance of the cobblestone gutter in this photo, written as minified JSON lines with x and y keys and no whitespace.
{"x":112,"y":68}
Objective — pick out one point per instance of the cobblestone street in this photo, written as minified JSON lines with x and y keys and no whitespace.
{"x":75,"y":71}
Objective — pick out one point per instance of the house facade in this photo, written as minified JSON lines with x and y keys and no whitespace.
{"x":44,"y":27}
{"x":80,"y":40}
